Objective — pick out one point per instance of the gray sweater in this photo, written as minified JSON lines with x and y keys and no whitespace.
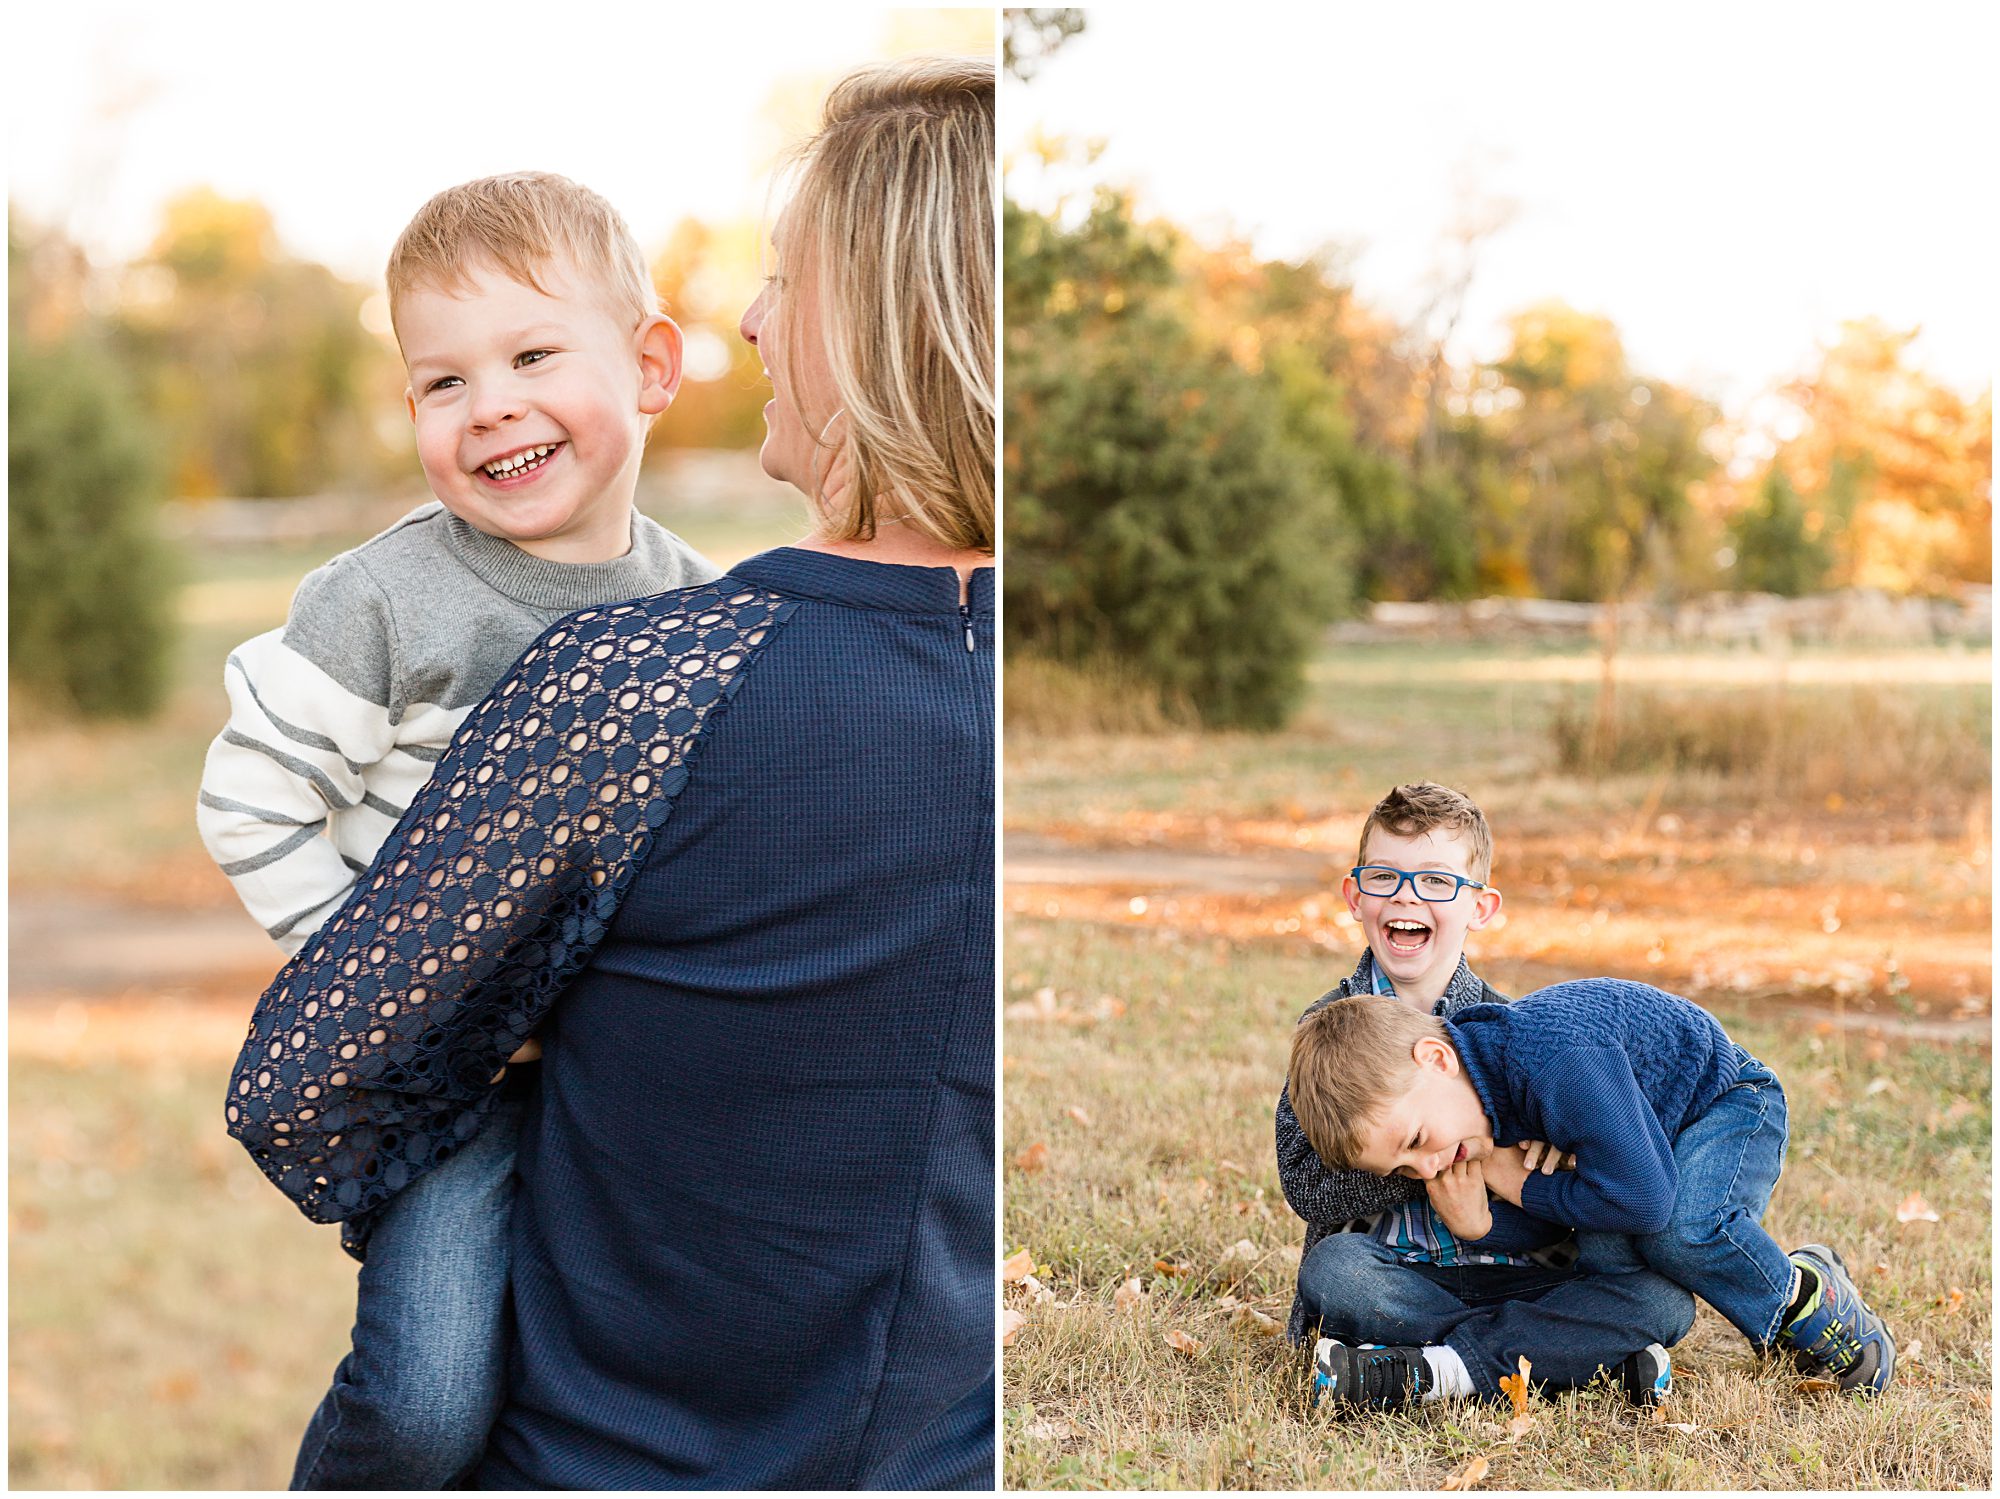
{"x":337,"y":719}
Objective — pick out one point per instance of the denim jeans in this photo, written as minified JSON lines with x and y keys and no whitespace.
{"x":1568,"y":1323}
{"x":412,"y":1403}
{"x":1726,"y":1162}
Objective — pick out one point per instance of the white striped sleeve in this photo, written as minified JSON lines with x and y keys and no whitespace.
{"x":296,"y":749}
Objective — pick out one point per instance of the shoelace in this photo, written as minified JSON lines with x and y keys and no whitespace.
{"x":1840,"y":1343}
{"x":1387,"y":1378}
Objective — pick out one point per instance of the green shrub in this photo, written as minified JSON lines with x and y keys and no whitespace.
{"x":89,"y":588}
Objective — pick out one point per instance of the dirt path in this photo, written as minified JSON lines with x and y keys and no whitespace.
{"x":83,"y":946}
{"x":1037,"y":861}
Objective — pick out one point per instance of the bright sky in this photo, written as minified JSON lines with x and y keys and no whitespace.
{"x":343,"y":119}
{"x":1726,"y":182}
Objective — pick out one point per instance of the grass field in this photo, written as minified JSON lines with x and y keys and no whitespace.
{"x":1845,"y":939}
{"x":173,"y":1320}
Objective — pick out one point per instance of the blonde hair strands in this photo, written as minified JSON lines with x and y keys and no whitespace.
{"x":521,"y":222}
{"x":890,"y":230}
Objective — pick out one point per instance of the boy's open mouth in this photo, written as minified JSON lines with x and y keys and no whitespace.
{"x":1405,"y":936}
{"x":519,"y":465}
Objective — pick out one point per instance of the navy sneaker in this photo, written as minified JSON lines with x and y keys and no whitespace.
{"x":1368,"y":1374}
{"x":1647,"y":1377}
{"x":1837,"y":1336}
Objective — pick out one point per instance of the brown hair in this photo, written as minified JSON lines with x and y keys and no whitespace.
{"x":519,"y":222}
{"x":1350,"y":1058}
{"x":1424,"y":806}
{"x":891,"y":228}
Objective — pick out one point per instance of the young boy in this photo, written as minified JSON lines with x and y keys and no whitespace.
{"x":1677,"y":1134}
{"x":1382,"y":1263}
{"x":537,"y":359}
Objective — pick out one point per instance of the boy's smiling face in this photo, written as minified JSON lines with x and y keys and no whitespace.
{"x":1417,"y":942}
{"x":531,"y":408}
{"x":1436,"y":1122}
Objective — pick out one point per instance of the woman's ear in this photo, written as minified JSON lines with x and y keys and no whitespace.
{"x":659,"y":364}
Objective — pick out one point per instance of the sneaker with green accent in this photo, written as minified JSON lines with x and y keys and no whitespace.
{"x":1368,"y":1375}
{"x":1837,"y":1336}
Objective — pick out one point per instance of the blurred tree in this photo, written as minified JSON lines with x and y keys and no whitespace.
{"x":706,"y":277}
{"x":1602,"y":460}
{"x":1034,"y":35}
{"x":1920,"y":460}
{"x":89,"y":583}
{"x":256,"y":366}
{"x":1163,"y":513}
{"x":1778,"y":548}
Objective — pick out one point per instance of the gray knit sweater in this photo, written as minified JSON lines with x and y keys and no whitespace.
{"x":337,"y":719}
{"x":1331,"y":1200}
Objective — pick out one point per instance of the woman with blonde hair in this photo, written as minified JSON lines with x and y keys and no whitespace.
{"x":728,"y":851}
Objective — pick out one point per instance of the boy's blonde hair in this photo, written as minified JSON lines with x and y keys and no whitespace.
{"x":519,"y":222}
{"x":1423,"y":806}
{"x":1350,"y":1059}
{"x":890,"y":233}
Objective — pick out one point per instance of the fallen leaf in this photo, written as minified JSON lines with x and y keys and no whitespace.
{"x":1515,"y":1387}
{"x":1251,"y":1320}
{"x":182,"y":1384}
{"x":1048,"y":1431}
{"x":1076,"y":1112}
{"x":1951,"y":1301}
{"x":1018,"y":1264}
{"x":1519,"y":1427}
{"x":1011,"y":1323}
{"x":1881,"y":1267}
{"x":1242,"y":1251}
{"x":1468,"y":1476}
{"x":1038,"y":1294}
{"x":1225,"y":1164}
{"x":1877,"y":1085}
{"x":1180,"y":1342}
{"x":1168,"y":1267}
{"x":1034,"y":1158}
{"x":1128,"y":1296}
{"x":1913,"y":1353}
{"x":1687,"y":1428}
{"x":1915,"y":1210}
{"x":1817,"y":1386}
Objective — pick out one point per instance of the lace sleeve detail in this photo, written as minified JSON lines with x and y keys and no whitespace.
{"x":375,"y":1052}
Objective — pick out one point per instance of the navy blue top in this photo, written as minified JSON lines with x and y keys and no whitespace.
{"x":746,"y":831}
{"x":1609,"y":1069}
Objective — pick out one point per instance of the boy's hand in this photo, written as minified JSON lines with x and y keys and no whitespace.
{"x":1539,"y":1154}
{"x":1458,"y":1195}
{"x":1506,"y":1172}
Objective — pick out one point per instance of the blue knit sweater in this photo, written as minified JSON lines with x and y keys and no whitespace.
{"x":730,"y":851}
{"x":1609,"y":1069}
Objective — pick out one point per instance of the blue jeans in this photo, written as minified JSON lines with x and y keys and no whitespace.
{"x":1568,"y":1323}
{"x":412,"y":1403}
{"x":1726,"y":1162}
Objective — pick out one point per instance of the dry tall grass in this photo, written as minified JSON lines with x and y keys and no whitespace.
{"x":1851,"y":740}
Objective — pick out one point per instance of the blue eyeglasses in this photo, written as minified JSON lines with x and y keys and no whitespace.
{"x":1430,"y":884}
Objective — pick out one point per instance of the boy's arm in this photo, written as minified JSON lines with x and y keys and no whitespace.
{"x":1323,"y":1196}
{"x":1624,"y":1179}
{"x":295,"y":751}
